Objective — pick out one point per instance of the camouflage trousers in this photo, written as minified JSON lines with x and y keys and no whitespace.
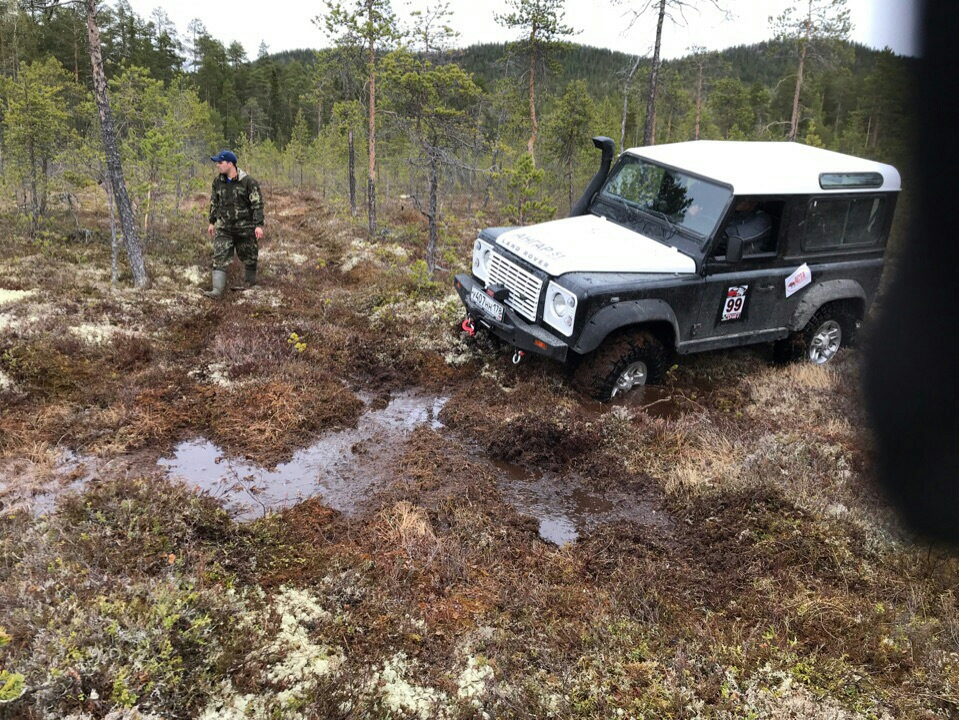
{"x":227,"y":240}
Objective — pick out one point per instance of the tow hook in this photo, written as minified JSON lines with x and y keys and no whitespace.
{"x":468,"y":326}
{"x":518,"y":356}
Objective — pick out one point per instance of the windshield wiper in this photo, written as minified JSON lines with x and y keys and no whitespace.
{"x":633,"y":214}
{"x":665,"y":218}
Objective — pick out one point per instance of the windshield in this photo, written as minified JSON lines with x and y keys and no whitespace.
{"x":638,"y":190}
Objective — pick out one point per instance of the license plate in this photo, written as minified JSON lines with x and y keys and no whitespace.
{"x":486,"y":303}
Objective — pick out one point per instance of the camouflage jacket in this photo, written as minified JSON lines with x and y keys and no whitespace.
{"x":236,"y":203}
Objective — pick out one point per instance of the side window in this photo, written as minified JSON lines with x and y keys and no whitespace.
{"x":832,"y":223}
{"x":757,"y":222}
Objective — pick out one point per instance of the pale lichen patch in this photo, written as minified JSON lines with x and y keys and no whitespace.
{"x":215,"y":374}
{"x":379,"y":255}
{"x":95,"y":334}
{"x":193,"y":275}
{"x":402,"y":696}
{"x":259,"y":295}
{"x":8,"y":297}
{"x":474,"y":681}
{"x":292,"y":662}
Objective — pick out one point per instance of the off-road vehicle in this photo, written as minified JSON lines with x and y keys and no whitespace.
{"x":687,"y":247}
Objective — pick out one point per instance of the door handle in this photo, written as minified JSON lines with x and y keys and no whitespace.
{"x":766,"y":288}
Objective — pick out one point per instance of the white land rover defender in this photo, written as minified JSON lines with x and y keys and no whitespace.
{"x":688,"y":247}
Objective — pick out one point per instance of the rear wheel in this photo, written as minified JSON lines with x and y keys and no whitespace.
{"x":620,"y":364}
{"x":827,"y":332}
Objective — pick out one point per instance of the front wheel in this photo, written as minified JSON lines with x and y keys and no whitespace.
{"x":621,"y":364}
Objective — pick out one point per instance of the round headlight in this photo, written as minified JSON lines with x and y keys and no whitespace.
{"x":559,"y":304}
{"x":487,"y":255}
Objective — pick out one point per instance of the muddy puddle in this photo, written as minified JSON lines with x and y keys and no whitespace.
{"x":568,"y":506}
{"x":656,"y":401}
{"x":35,"y":486}
{"x":343,"y":466}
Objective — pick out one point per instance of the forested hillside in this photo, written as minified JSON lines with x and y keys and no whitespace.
{"x":465,"y":122}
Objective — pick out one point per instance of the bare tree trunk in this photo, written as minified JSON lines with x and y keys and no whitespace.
{"x":803,"y":48}
{"x":114,"y":166}
{"x":699,"y":102}
{"x":35,"y":195}
{"x":114,"y":245}
{"x":434,"y":228}
{"x":352,"y":175}
{"x":629,"y":80}
{"x":76,"y":49}
{"x":532,"y":94}
{"x":371,"y":182}
{"x":654,"y":78}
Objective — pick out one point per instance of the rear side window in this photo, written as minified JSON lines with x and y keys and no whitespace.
{"x":833,"y":223}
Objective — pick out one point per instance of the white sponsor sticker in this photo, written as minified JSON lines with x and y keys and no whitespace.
{"x":799,"y":279}
{"x":734,"y":303}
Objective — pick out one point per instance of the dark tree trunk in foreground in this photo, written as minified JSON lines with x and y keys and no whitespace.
{"x":114,"y":168}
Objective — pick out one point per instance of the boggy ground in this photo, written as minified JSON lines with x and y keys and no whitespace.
{"x":776,"y":586}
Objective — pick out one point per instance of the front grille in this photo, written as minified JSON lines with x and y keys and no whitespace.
{"x":524,"y":287}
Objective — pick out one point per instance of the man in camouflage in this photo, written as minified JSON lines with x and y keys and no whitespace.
{"x":236,"y":221}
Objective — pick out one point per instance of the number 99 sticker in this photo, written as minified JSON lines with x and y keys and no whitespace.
{"x":734,"y":303}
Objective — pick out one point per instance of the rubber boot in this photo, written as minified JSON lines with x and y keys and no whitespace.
{"x":249,"y":276}
{"x":219,"y":285}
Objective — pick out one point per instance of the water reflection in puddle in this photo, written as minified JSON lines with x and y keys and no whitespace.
{"x":25,"y":486}
{"x":341,"y":466}
{"x":566,"y":506}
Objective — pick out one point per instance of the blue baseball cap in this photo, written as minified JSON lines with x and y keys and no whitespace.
{"x":224,"y":155}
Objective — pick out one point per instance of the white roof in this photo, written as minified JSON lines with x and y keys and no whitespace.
{"x":766,"y":168}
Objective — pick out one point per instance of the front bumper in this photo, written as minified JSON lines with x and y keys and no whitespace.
{"x":512,"y":329}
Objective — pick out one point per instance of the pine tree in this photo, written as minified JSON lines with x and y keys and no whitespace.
{"x":367,"y":23}
{"x":541,"y":22}
{"x":568,"y":127}
{"x":813,"y":34}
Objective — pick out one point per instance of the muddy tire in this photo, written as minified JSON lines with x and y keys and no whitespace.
{"x":621,"y":363}
{"x":827,"y":332}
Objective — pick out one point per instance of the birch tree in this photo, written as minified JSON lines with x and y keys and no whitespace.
{"x":117,"y":183}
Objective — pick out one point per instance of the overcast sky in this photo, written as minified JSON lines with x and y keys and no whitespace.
{"x":287,"y":25}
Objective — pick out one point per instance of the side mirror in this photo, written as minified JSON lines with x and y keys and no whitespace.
{"x":734,"y":249}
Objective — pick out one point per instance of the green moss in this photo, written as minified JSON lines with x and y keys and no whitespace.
{"x":12,"y":686}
